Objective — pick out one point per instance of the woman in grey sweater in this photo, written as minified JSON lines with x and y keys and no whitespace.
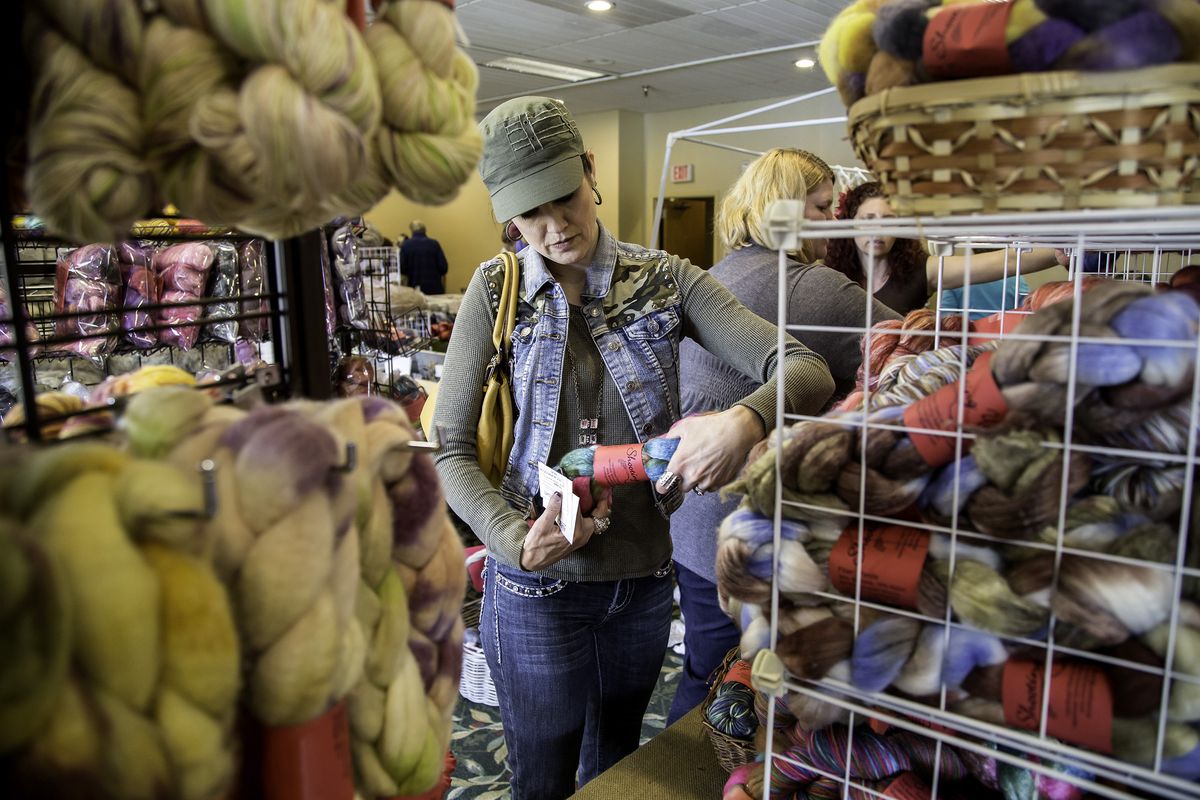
{"x":574,"y":631}
{"x":816,"y":295}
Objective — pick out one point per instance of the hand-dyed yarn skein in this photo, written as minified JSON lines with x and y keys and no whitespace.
{"x":1022,"y":384}
{"x":913,"y":658}
{"x":613,"y":465}
{"x":731,"y":710}
{"x":148,"y":709}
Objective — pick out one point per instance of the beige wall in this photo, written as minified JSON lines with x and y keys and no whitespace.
{"x":629,"y":151}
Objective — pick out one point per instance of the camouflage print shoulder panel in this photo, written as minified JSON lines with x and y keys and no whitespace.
{"x":642,"y":282}
{"x":493,"y":274}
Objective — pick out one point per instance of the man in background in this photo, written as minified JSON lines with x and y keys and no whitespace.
{"x":422,"y":261}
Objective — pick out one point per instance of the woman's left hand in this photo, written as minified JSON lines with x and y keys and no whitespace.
{"x":712,"y":449}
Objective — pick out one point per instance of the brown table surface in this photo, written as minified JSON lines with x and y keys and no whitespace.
{"x":678,"y":763}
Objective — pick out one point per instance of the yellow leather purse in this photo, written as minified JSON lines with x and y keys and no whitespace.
{"x":494,"y":435}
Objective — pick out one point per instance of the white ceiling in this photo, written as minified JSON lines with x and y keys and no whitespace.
{"x":650,"y":49}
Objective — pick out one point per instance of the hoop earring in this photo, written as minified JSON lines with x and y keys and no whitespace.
{"x":596,"y":193}
{"x":510,"y":230}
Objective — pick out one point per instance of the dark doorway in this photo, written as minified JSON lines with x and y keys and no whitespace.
{"x":686,"y":229}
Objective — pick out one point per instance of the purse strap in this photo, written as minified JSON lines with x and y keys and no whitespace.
{"x":506,"y":311}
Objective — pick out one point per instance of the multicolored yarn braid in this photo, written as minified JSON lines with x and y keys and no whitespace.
{"x":876,"y":46}
{"x":916,"y":659}
{"x":875,"y":761}
{"x":1117,"y":386}
{"x":369,"y":608}
{"x":203,"y":104}
{"x":122,"y":674}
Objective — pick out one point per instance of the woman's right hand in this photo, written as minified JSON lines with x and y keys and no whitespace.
{"x":545,"y":545}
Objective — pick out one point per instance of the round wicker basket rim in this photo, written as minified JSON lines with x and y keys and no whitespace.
{"x":1168,"y":79}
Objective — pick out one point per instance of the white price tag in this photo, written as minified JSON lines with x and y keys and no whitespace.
{"x":550,"y":482}
{"x":266,"y":351}
{"x":437,"y":371}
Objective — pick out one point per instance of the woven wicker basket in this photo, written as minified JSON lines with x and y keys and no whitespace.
{"x":475,"y":683}
{"x":731,"y":751}
{"x":1036,"y":141}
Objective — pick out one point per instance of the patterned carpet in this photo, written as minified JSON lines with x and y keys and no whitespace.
{"x":478,"y":739}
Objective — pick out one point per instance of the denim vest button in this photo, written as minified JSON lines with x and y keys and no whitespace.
{"x":633,"y":385}
{"x":595,"y":312}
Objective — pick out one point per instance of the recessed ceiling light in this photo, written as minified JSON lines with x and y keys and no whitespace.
{"x":598,"y":5}
{"x":530,"y":66}
{"x":805,"y":63}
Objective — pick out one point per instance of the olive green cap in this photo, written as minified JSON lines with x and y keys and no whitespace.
{"x":531,"y":155}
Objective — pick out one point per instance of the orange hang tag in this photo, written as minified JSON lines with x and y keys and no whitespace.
{"x":892,"y":559}
{"x":907,"y":786}
{"x":983,"y":407}
{"x":739,"y":672}
{"x":967,"y":41}
{"x":617,"y":464}
{"x":1081,"y":702}
{"x":356,"y":10}
{"x":310,"y":761}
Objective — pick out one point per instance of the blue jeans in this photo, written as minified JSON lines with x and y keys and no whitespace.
{"x":708,"y":636}
{"x":574,"y":665}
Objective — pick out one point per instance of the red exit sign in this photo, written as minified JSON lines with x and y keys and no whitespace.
{"x":681,"y":173}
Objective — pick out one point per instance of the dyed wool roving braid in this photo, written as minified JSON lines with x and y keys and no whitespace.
{"x":428,"y":143}
{"x":1032,"y":381}
{"x":916,"y":659}
{"x":270,"y":125}
{"x":85,"y":174}
{"x":272,"y":117}
{"x":409,"y":604}
{"x":284,"y":540}
{"x":138,"y":697}
{"x":1027,"y":36}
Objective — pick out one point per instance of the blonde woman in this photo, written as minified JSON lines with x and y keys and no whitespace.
{"x":816,"y":295}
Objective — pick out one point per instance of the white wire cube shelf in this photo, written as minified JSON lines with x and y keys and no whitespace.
{"x":1158,"y":448}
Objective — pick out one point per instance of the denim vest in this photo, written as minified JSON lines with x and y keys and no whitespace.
{"x":634,"y":312}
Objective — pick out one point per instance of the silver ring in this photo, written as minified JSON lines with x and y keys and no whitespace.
{"x":697,"y":490}
{"x":669,"y":481}
{"x":601,"y":524}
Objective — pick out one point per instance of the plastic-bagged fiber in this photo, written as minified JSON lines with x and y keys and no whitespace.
{"x":252,"y":259}
{"x":140,"y":288}
{"x":351,"y":296}
{"x":225,"y":277}
{"x":87,"y":280}
{"x":7,"y":336}
{"x":183,"y":270}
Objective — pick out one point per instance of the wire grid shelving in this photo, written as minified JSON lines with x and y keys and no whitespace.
{"x":1146,"y":246}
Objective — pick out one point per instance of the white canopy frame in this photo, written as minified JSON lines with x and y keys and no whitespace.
{"x":844,"y":177}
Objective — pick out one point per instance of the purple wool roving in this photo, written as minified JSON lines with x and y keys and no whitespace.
{"x":1141,"y":40}
{"x":1091,"y":15}
{"x":1044,"y":44}
{"x":899,"y":28}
